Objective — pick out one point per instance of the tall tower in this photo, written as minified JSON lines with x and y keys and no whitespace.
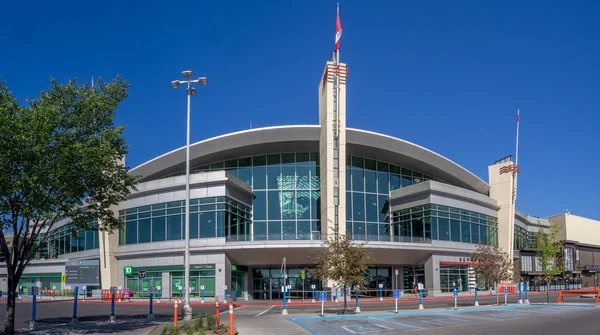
{"x":332,"y":147}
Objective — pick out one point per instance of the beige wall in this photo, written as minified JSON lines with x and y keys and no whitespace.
{"x":326,"y":105}
{"x":501,"y":186}
{"x":577,"y":228}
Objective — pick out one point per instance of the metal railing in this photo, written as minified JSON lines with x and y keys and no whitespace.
{"x":317,"y":236}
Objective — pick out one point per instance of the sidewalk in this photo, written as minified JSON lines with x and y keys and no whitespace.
{"x":125,"y":327}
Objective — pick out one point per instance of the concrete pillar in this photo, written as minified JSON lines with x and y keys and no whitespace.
{"x":328,"y":165}
{"x":432,"y":276}
{"x":501,"y":189}
{"x":165,"y":289}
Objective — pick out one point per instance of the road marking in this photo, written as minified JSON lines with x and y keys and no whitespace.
{"x":364,"y":329}
{"x":396,"y":323}
{"x":469,"y":316}
{"x":432,"y":322}
{"x":266,"y":310}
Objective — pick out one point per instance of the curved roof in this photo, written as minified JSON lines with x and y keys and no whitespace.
{"x":306,"y":138}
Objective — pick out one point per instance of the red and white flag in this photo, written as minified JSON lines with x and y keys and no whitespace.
{"x":338,"y":29}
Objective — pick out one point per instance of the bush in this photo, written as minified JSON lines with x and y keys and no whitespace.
{"x":165,"y":330}
{"x":188,"y":329}
{"x":199,"y":324}
{"x":210,"y":321}
{"x":174,"y":330}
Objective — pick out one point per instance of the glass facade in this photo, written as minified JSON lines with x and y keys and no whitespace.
{"x":437,"y":222}
{"x":521,"y":238}
{"x":209,"y":217}
{"x":61,"y":242}
{"x":454,"y":276}
{"x":412,"y":275}
{"x":368,"y":184}
{"x":287,"y":189}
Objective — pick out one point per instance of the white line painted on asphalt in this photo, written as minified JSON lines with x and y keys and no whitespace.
{"x":266,"y":310}
{"x":469,"y":317}
{"x":396,"y":323}
{"x":432,"y":322}
{"x":365,"y":329}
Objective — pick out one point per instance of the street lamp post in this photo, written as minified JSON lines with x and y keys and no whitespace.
{"x":190,"y":92}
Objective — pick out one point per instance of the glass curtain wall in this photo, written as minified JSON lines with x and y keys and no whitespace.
{"x":521,"y":238}
{"x":368,"y":184}
{"x":209,"y":217}
{"x":437,"y":222}
{"x":61,"y":241}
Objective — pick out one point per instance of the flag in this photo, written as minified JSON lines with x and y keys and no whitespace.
{"x":338,"y":29}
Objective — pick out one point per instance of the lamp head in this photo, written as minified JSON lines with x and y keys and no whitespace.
{"x":186,"y":74}
{"x":191,"y":91}
{"x":175,"y":83}
{"x":202,"y":80}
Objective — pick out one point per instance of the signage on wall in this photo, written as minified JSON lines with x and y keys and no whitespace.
{"x":127,"y":270}
{"x":82,"y":272}
{"x":592,"y":268}
{"x":203,"y":266}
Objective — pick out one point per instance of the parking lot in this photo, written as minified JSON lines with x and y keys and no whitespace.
{"x":428,"y":320}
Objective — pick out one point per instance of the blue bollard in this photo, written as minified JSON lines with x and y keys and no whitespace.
{"x":202,"y":295}
{"x":33,"y":322}
{"x":380,"y":294}
{"x":526,"y":292}
{"x":476,"y":297}
{"x":520,"y":289}
{"x":75,"y":293}
{"x":284,"y":311}
{"x":420,"y":299}
{"x":112,"y":318}
{"x":150,"y":314}
{"x":357,"y":308}
{"x":225,"y":295}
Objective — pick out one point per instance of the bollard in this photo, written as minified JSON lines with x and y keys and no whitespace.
{"x":180,"y":294}
{"x":289,"y":294}
{"x":357,"y":310}
{"x":175,"y":315}
{"x":84,"y":292}
{"x":74,"y":318}
{"x":526,"y":292}
{"x":225,"y":295}
{"x":284,"y":310}
{"x":476,"y":298}
{"x":420,"y":299}
{"x":380,"y":292}
{"x":150,"y":314}
{"x":231,"y":321}
{"x":33,"y":322}
{"x":112,"y":318}
{"x":313,"y":294}
{"x":158,"y":297}
{"x":520,"y":288}
{"x":202,"y":301}
{"x":53,"y":293}
{"x":336,"y":295}
{"x":218,"y":316}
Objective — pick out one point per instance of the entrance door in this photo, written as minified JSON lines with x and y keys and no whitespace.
{"x":261,"y":288}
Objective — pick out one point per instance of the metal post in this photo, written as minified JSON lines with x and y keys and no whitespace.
{"x":380,"y":293}
{"x":202,"y":300}
{"x":158,"y":297}
{"x":284,"y":311}
{"x":74,"y":318}
{"x":396,"y":311}
{"x":112,"y":318}
{"x":186,"y":307}
{"x":33,"y":322}
{"x":526,"y":292}
{"x":336,"y":295}
{"x":420,"y":299}
{"x":357,"y":310}
{"x":225,"y":294}
{"x":150,"y":314}
{"x":313,"y":295}
{"x":476,"y":297}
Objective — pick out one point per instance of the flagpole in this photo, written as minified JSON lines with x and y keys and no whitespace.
{"x":516,"y":158}
{"x":338,"y":50}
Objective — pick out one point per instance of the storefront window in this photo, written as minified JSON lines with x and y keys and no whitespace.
{"x":454,"y":276}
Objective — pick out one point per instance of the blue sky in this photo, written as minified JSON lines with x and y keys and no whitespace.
{"x":448,"y":75}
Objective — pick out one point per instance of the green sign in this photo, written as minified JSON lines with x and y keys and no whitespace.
{"x":233,"y":268}
{"x":128,"y":270}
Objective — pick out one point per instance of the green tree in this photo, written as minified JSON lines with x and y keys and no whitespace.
{"x":61,"y":156}
{"x":549,"y":254}
{"x":492,"y":265}
{"x":343,"y":262}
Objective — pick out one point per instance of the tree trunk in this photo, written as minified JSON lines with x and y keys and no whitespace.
{"x":547,"y":291}
{"x":345,"y":300}
{"x":9,"y":323}
{"x":497,"y":296}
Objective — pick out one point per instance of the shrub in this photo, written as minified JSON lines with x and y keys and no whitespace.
{"x":165,"y":330}
{"x":210,"y":321}
{"x":174,"y":330}
{"x":188,"y":329}
{"x":199,"y":324}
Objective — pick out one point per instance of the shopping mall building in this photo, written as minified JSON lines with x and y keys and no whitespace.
{"x":261,"y":195}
